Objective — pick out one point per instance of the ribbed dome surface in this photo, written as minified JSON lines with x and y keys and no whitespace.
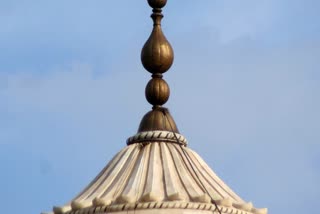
{"x":156,"y":173}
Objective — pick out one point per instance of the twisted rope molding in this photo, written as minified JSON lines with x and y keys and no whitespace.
{"x":163,"y":205}
{"x":159,"y":136}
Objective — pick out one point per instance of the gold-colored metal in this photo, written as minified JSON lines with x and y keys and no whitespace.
{"x":157,"y":3}
{"x":157,"y":91}
{"x":157,"y":54}
{"x":157,"y":57}
{"x":158,"y":119}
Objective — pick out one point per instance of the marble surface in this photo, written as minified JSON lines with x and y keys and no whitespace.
{"x":157,"y":175}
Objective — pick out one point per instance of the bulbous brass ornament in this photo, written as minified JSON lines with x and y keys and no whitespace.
{"x":157,"y":92}
{"x":157,"y":3}
{"x":157,"y":54}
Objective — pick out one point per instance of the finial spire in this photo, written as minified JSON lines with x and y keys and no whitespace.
{"x":157,"y":58}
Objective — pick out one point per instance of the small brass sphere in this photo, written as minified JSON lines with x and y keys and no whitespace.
{"x":157,"y":91}
{"x":157,"y":3}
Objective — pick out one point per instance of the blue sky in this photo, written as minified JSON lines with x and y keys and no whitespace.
{"x":245,"y":92}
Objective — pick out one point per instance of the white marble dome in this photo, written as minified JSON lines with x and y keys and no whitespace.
{"x":155,"y":175}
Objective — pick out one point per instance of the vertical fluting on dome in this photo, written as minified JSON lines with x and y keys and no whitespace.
{"x":157,"y":57}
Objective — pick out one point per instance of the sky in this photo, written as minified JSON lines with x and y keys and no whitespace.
{"x":245,"y":92}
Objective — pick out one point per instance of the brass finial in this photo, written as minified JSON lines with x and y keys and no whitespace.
{"x":157,"y":58}
{"x":157,"y":54}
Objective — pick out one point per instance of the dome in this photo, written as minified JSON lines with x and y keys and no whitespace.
{"x":156,"y":172}
{"x":153,"y":174}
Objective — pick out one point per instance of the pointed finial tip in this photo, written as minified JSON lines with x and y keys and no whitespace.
{"x":157,"y":3}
